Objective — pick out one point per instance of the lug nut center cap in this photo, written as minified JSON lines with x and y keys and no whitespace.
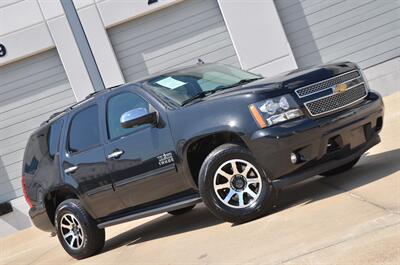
{"x":239,"y":182}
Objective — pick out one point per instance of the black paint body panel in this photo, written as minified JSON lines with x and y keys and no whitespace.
{"x":111,"y":188}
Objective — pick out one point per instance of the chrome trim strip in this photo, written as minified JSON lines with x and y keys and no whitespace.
{"x":158,"y":171}
{"x":359,"y":76}
{"x":341,"y":107}
{"x":100,"y":189}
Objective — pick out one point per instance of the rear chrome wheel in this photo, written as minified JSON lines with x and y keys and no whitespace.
{"x":71,"y":231}
{"x":77,"y":231}
{"x":237,"y":183}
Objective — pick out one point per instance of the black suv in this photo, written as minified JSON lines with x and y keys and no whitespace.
{"x":208,"y":133}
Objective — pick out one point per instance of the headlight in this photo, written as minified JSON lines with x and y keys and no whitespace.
{"x":275,"y":110}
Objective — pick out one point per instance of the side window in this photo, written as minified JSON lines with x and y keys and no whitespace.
{"x":118,"y":105}
{"x":84,"y":130}
{"x":53,"y":137}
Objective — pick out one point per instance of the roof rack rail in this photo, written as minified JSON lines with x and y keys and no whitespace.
{"x":93,"y":93}
{"x":55,"y":114}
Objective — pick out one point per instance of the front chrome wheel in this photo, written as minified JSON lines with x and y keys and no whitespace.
{"x":71,"y":230}
{"x":237,"y":183}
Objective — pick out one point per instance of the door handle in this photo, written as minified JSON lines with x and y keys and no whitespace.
{"x":115,"y":154}
{"x":70,"y":170}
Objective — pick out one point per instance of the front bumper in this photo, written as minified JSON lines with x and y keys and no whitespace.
{"x":355,"y":131}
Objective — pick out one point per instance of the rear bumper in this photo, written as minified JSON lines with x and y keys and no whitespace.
{"x":41,"y":219}
{"x":356,"y":130}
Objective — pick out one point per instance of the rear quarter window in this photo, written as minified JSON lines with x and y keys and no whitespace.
{"x":53,"y":137}
{"x":31,"y":162}
{"x":42,"y":144}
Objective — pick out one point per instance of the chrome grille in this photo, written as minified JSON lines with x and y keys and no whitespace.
{"x":338,"y":101}
{"x":326,"y":84}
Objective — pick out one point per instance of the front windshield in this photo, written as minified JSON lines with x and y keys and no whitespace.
{"x":182,"y":85}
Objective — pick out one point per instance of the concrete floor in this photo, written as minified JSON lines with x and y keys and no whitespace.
{"x":349,"y":218}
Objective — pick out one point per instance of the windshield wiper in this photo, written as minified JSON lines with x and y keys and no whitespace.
{"x":199,"y":95}
{"x":243,"y":81}
{"x":206,"y":93}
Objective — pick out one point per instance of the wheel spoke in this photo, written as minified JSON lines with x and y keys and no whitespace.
{"x":222,"y":186}
{"x":224,"y":174}
{"x":234,"y":168}
{"x":67,"y":220}
{"x":241,"y":199}
{"x":251,"y":193}
{"x":70,"y":233}
{"x":65,"y":226}
{"x":229,"y":196}
{"x":253,"y":181}
{"x":246,"y":170}
{"x":72,"y":241}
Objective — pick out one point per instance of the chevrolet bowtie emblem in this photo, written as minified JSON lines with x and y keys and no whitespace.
{"x":340,"y":88}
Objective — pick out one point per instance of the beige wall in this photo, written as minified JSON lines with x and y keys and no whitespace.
{"x":31,"y":26}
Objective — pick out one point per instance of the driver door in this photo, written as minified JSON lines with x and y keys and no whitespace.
{"x":141,"y":159}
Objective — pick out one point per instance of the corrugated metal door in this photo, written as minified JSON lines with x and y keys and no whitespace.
{"x":30,"y":91}
{"x":363,"y":31}
{"x":175,"y":36}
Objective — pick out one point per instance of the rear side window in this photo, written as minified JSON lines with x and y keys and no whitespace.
{"x":54,"y":137}
{"x":84,"y":130}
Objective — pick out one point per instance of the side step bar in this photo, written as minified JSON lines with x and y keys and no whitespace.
{"x":171,"y":206}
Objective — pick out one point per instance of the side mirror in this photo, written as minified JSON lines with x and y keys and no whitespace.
{"x":138,"y":117}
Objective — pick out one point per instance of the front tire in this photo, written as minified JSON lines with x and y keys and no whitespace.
{"x":233,"y":186}
{"x":77,"y":231}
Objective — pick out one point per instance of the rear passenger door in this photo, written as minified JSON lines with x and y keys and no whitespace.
{"x":84,"y":164}
{"x":144,"y":171}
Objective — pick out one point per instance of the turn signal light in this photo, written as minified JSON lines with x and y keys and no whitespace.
{"x":257,"y":116}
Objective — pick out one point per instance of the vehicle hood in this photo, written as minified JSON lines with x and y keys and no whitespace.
{"x":288,"y":81}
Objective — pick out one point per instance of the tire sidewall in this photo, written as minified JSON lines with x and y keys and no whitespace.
{"x":210,"y":198}
{"x":69,"y":207}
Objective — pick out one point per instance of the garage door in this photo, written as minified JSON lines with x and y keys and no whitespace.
{"x":363,"y":31}
{"x":175,"y":36}
{"x":30,"y":91}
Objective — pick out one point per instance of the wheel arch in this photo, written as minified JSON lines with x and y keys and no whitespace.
{"x":56,"y":196}
{"x":200,"y":147}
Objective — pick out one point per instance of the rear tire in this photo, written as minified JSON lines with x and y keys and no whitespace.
{"x":77,"y":231}
{"x":233,"y":186}
{"x":341,"y":169}
{"x":182,"y":211}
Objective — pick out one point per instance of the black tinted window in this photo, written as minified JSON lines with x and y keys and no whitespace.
{"x":84,"y":130}
{"x":118,"y":105}
{"x":54,"y":137}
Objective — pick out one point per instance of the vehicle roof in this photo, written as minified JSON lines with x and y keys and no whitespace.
{"x":97,"y":94}
{"x":87,"y":99}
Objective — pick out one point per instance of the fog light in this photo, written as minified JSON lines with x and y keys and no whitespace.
{"x":294,"y":158}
